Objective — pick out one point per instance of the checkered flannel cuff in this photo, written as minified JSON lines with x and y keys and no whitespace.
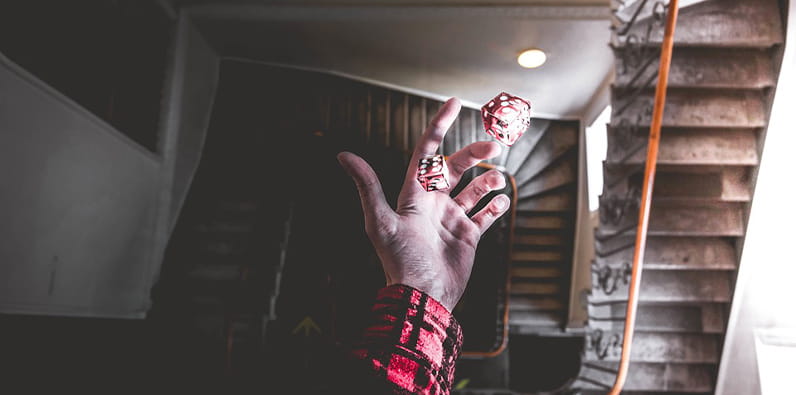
{"x":412,"y":341}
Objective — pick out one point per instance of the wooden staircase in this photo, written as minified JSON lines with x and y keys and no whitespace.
{"x":544,"y":164}
{"x":723,"y":70}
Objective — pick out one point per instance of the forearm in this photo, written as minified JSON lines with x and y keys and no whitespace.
{"x":411,"y":344}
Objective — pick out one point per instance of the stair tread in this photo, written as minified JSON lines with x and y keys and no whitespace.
{"x":557,"y":200}
{"x":647,"y":376}
{"x":705,"y":68}
{"x":695,"y":109}
{"x":671,"y":286}
{"x":534,"y":288}
{"x":537,"y":256}
{"x":547,"y":318}
{"x":563,"y":171}
{"x":556,"y":141}
{"x":550,"y":221}
{"x":661,"y":347}
{"x":714,"y":219}
{"x":680,"y":253}
{"x":689,"y":147}
{"x":722,"y":183}
{"x":701,"y":318}
{"x":727,"y":23}
{"x":540,"y":239}
{"x":536,"y":272}
{"x":526,"y":303}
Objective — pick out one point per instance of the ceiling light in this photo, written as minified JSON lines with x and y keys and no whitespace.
{"x":532,"y":58}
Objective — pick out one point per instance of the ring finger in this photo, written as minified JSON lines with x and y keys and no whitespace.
{"x":478,"y":188}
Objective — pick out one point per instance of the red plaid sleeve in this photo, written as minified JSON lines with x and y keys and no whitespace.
{"x":412,"y":342}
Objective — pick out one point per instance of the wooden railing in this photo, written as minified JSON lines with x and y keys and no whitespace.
{"x":646,"y":195}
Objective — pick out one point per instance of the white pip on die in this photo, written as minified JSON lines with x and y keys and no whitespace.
{"x":432,"y":173}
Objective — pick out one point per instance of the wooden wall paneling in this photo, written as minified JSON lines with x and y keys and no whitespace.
{"x":432,"y":106}
{"x":379,"y":117}
{"x":399,"y":117}
{"x":466,"y":128}
{"x":417,"y":119}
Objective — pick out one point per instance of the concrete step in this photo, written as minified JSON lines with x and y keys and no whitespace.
{"x":726,"y":23}
{"x":556,"y":141}
{"x":535,"y":288}
{"x":695,"y":109}
{"x":529,"y":303}
{"x":708,"y":219}
{"x":521,"y":273}
{"x":649,"y":377}
{"x":557,"y":201}
{"x":701,"y":68}
{"x":558,"y":174}
{"x":686,"y":147}
{"x":519,"y":256}
{"x":679,"y":253}
{"x":675,"y":182}
{"x":208,"y":271}
{"x":657,"y":347}
{"x":542,"y":221}
{"x":519,"y":153}
{"x":666,"y":286}
{"x":539,"y":318}
{"x":521,"y":240}
{"x":700,"y":318}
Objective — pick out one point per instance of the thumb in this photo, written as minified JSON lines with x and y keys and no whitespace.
{"x":374,"y":205}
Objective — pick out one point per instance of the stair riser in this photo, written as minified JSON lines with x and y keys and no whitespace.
{"x":687,"y":147}
{"x":673,"y":183}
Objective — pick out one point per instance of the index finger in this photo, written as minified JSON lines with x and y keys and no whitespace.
{"x":427,"y":145}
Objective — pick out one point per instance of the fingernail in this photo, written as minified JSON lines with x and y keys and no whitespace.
{"x":502,"y":202}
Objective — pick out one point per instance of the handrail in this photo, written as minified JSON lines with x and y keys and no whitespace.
{"x":646,"y":197}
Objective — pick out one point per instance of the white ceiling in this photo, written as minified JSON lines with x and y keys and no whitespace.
{"x":464,"y":51}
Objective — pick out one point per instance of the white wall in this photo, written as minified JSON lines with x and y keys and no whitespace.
{"x":77,"y":206}
{"x":765,"y":292}
{"x":85,"y":212}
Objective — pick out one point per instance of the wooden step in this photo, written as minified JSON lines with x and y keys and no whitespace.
{"x":560,"y":173}
{"x":696,"y":109}
{"x":536,"y":272}
{"x":556,"y":201}
{"x":701,"y":318}
{"x":726,"y":23}
{"x":540,"y":240}
{"x":667,"y":286}
{"x":519,"y":153}
{"x":537,"y":256}
{"x":649,"y":377}
{"x":703,"y":68}
{"x":659,"y":347}
{"x":547,"y":221}
{"x":540,"y":318}
{"x":208,"y":271}
{"x":687,"y":147}
{"x":557,"y":140}
{"x":679,"y":253}
{"x":528,"y":303}
{"x":705,"y":183}
{"x":535,"y":288}
{"x":714,"y":219}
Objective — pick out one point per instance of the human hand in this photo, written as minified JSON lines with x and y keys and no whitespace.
{"x":428,"y":242}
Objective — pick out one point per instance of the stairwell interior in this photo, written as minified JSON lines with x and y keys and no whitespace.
{"x":268,"y":268}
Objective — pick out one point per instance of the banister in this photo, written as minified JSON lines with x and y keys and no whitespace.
{"x":646,"y":196}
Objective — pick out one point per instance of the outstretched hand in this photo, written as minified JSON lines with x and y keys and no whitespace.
{"x":428,"y":242}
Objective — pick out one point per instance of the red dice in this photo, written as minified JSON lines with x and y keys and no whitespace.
{"x":432,"y":173}
{"x":506,"y":117}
